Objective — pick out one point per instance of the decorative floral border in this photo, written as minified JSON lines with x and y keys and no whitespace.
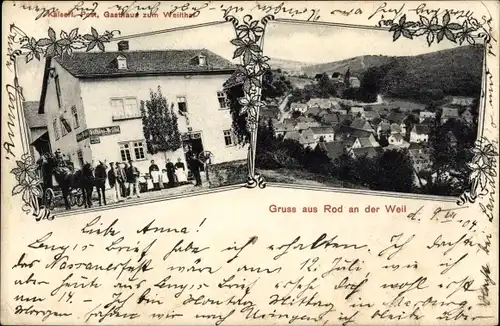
{"x":249,"y":41}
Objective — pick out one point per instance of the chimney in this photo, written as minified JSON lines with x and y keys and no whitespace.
{"x":123,"y":46}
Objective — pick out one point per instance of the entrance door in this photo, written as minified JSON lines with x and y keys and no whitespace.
{"x":192,"y":143}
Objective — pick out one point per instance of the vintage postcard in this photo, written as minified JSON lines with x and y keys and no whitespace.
{"x":250,"y":163}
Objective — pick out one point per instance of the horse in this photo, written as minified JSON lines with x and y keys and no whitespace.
{"x":67,"y":179}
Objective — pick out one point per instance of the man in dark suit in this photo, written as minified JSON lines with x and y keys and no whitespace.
{"x":170,"y":173}
{"x":195,"y":166}
{"x":100,"y":181}
{"x":154,"y":172}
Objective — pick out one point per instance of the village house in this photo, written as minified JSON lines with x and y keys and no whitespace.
{"x":396,"y":140}
{"x":337,"y":77}
{"x":296,"y":136}
{"x":330,"y":119}
{"x":449,"y":113}
{"x":361,"y":124}
{"x":324,"y":134}
{"x":396,"y":129}
{"x":298,"y":107}
{"x":419,"y":133}
{"x":312,"y":111}
{"x":308,"y":139}
{"x":306,"y":125}
{"x":304,"y":119}
{"x":420,"y":157}
{"x":461,"y":100}
{"x":452,"y":139}
{"x":384,"y":129}
{"x":370,"y":115}
{"x":280,"y":129}
{"x":339,"y":111}
{"x":467,"y":116}
{"x":322,"y":113}
{"x":92,"y":101}
{"x":368,"y":152}
{"x":332,"y":149}
{"x":345,"y":119}
{"x":37,"y":126}
{"x":355,"y":110}
{"x":426,"y":115}
{"x":354,"y":82}
{"x":361,"y":142}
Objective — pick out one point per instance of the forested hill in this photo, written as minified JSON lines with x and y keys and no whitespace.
{"x":451,"y":72}
{"x":454,"y":72}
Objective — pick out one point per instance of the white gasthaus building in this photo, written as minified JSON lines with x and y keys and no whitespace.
{"x":92,"y":104}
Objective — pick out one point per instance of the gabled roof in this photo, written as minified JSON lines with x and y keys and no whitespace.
{"x":397,"y":117}
{"x":283,"y":127}
{"x":371,"y":114}
{"x":398,"y":137}
{"x":322,"y":130}
{"x":395,"y":128}
{"x":139,"y":63}
{"x":332,"y":149}
{"x":384,"y":126}
{"x":314,"y":110}
{"x":306,"y":125}
{"x":421,"y":129}
{"x":449,"y":112}
{"x":157,"y":62}
{"x":298,"y":106}
{"x":366,"y":151}
{"x":308,"y":135}
{"x":365,"y":142}
{"x":357,"y":109}
{"x":33,"y":118}
{"x":330,"y":118}
{"x":360,"y":123}
{"x":292,"y":135}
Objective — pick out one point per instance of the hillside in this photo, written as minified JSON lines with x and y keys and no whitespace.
{"x":448,"y":72}
{"x":287,"y":65}
{"x":453,"y":72}
{"x":357,"y":65}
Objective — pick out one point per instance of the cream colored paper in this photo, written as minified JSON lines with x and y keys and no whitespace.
{"x":226,"y":255}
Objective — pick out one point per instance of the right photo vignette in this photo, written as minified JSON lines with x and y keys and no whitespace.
{"x":363,"y":108}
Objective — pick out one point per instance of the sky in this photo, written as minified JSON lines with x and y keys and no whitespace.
{"x":306,"y":43}
{"x":320,"y":44}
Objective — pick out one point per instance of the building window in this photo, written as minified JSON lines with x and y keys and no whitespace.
{"x":125,"y":107}
{"x":202,"y":60}
{"x":64,"y":130}
{"x":125,"y":152}
{"x":181,"y":104}
{"x":74,"y":112}
{"x":58,"y":90}
{"x":122,"y":62}
{"x":221,"y":96}
{"x":228,"y":137}
{"x":136,"y":147}
{"x":55,"y":125}
{"x":139,"y":150}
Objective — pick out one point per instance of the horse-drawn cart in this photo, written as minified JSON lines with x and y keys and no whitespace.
{"x":53,"y":194}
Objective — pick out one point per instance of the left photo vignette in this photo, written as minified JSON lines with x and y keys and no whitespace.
{"x":114,"y":120}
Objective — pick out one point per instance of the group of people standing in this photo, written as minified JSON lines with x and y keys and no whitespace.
{"x":123,"y":179}
{"x":172,"y":175}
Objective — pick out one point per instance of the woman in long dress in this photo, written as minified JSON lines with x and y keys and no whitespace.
{"x":180,"y":171}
